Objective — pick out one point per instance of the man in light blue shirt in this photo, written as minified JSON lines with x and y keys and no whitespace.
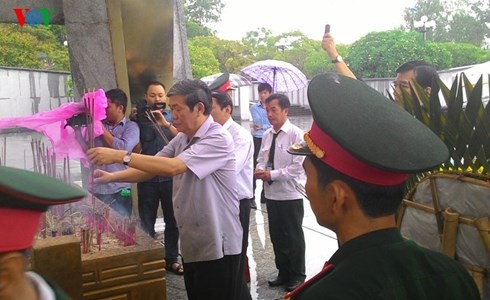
{"x":260,"y":123}
{"x":121,"y":134}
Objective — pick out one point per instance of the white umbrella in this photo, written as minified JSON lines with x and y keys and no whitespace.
{"x":281,"y":75}
{"x":236,"y":80}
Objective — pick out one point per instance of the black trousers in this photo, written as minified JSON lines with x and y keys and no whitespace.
{"x":150,"y":195}
{"x":214,"y":279}
{"x":287,"y":237}
{"x":257,"y":145}
{"x":245,"y":205}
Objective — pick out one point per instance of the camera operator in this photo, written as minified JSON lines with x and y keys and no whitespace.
{"x":151,"y":113}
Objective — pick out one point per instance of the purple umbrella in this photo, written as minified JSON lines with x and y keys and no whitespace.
{"x":281,"y":75}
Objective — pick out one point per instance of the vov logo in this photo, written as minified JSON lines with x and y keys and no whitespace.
{"x":34,"y":17}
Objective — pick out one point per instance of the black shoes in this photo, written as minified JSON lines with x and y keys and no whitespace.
{"x":293,"y":284}
{"x":277,"y":282}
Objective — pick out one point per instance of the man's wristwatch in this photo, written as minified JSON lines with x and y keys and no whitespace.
{"x":127,"y":159}
{"x":337,"y":59}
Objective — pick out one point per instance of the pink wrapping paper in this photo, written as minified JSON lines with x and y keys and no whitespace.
{"x":52,"y":125}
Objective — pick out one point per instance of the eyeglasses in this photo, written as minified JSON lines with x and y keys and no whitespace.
{"x":401,"y":83}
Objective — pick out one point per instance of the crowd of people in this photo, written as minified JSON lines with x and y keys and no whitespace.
{"x":201,"y":166}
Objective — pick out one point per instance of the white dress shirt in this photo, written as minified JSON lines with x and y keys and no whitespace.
{"x":244,"y":152}
{"x":287,"y":168}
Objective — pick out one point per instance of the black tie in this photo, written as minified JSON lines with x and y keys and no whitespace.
{"x":270,"y":162}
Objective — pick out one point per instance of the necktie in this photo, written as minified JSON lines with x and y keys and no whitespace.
{"x":270,"y":162}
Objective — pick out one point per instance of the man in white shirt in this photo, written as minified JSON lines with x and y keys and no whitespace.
{"x":221,"y":112}
{"x":279,"y":170}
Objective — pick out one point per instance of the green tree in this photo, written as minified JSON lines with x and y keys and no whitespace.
{"x":456,"y":21}
{"x":318,"y":61}
{"x":203,"y":11}
{"x":32,"y":47}
{"x":231,"y":55}
{"x":378,"y":54}
{"x":463,"y":54}
{"x":199,"y":14}
{"x":203,"y":61}
{"x":195,"y":29}
{"x":262,"y":42}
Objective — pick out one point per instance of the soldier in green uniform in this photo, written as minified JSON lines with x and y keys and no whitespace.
{"x":24,"y":196}
{"x":360,"y":149}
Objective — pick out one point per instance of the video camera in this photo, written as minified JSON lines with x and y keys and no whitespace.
{"x":143,"y":110}
{"x":78,"y":120}
{"x":156,"y":106}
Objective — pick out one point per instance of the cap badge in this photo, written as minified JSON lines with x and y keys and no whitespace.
{"x":319,"y":153}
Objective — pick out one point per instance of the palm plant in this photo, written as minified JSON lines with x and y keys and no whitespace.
{"x":464,"y":126}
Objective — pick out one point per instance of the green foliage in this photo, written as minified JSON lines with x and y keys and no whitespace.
{"x":463,"y":126}
{"x":231,"y":55}
{"x":194,"y":29}
{"x":203,"y":11}
{"x":318,"y":62}
{"x":32,"y":47}
{"x":378,"y":54}
{"x":462,"y":21}
{"x":203,"y":61}
{"x":464,"y":54}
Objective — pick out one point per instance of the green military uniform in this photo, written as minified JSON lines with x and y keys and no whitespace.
{"x":362,"y":135}
{"x":24,"y":196}
{"x":381,"y":265}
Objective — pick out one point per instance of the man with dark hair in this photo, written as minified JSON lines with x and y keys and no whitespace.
{"x":405,"y":74}
{"x":279,"y":171}
{"x":221,"y":113}
{"x":424,"y":76}
{"x":24,"y":196}
{"x":158,"y":190}
{"x":202,"y":161}
{"x":121,"y":134}
{"x":260,"y":124}
{"x":355,"y":186}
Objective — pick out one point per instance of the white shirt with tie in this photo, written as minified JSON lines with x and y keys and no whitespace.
{"x":287,"y":168}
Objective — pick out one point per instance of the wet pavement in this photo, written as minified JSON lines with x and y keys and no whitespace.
{"x":321,"y":243}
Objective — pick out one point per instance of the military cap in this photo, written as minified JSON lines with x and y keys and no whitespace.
{"x":24,"y":196}
{"x":221,"y":83}
{"x":362,"y":134}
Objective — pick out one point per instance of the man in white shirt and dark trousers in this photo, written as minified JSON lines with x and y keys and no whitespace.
{"x":221,"y":112}
{"x":279,"y":170}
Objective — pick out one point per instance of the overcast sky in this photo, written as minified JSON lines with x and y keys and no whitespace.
{"x":349,"y":19}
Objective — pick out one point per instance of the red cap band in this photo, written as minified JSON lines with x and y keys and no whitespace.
{"x":336,"y":157}
{"x":19,"y":227}
{"x":226,"y":86}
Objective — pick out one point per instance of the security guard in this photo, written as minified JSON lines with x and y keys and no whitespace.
{"x":222,"y":83}
{"x":24,"y":196}
{"x":360,"y":149}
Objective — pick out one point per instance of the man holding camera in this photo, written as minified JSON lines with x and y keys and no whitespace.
{"x":120,"y":134}
{"x":153,"y":137}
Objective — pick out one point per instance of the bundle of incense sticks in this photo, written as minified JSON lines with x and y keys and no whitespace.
{"x":157,"y":127}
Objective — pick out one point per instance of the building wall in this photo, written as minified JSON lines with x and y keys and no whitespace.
{"x":27,"y":92}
